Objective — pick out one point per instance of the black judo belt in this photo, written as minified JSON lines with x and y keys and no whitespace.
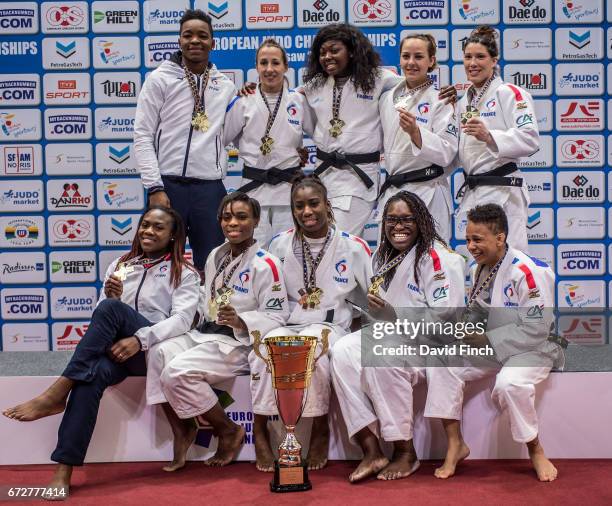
{"x":271,"y":176}
{"x":343,"y":161}
{"x":495,"y":177}
{"x":415,"y":176}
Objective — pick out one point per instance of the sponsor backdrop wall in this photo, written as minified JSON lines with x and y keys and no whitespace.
{"x":71,"y":72}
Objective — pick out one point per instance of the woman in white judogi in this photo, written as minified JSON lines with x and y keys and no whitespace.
{"x":244,"y":291}
{"x":498,"y":126}
{"x":419,"y":133}
{"x":513,"y":295}
{"x":268,"y":130}
{"x":418,"y":278}
{"x":323,"y":266}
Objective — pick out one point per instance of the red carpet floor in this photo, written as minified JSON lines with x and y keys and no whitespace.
{"x":509,"y":482}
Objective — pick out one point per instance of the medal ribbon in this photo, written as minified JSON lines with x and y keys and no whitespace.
{"x":271,"y":114}
{"x":392,"y":264}
{"x":475,"y":293}
{"x":199,"y":102}
{"x":475,"y":100}
{"x":224,"y":264}
{"x":310,"y":281}
{"x":411,"y":92}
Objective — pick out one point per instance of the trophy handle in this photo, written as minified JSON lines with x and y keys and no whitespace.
{"x":256,"y":344}
{"x":324,"y":343}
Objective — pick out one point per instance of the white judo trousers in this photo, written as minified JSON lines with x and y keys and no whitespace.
{"x":317,"y":401}
{"x":186,"y":381}
{"x":368,"y":395}
{"x":158,"y":357}
{"x":514,"y":390}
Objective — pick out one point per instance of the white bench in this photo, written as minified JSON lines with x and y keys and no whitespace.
{"x":575,"y":411}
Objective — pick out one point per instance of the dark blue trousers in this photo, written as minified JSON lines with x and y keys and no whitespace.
{"x":92,"y":370}
{"x":197,"y":201}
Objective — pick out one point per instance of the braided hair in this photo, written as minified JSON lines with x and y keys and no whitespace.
{"x":363,"y":65}
{"x":427,"y":234}
{"x":311,"y":181}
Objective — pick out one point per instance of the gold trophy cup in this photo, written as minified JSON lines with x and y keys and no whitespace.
{"x":291,"y":360}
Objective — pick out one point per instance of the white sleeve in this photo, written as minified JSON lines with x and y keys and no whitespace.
{"x":389,"y":79}
{"x":146,"y":123}
{"x":440,"y":144}
{"x":234,"y":120}
{"x":273,"y":305}
{"x":184,"y":305}
{"x":522,"y":137}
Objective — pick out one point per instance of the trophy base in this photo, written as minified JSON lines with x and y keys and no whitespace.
{"x":290,"y":479}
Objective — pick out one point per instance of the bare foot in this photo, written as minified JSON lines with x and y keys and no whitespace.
{"x":456,"y":453}
{"x":228,"y":447}
{"x":182,"y":442}
{"x":51,"y":402}
{"x":368,"y":467}
{"x":401,"y":466}
{"x":60,"y":484}
{"x":39,"y":407}
{"x":544,"y":468}
{"x":264,"y":456}
{"x":319,"y":444}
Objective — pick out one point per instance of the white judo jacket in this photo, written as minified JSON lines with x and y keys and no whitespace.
{"x":508,"y":112}
{"x":165,"y":142}
{"x":344,"y":273}
{"x":521,"y":315}
{"x":259,"y":297}
{"x":245,"y":125}
{"x":437,"y":122}
{"x":361,"y":134}
{"x":150,"y":293}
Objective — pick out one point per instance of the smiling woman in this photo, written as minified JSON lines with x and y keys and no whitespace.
{"x":323,"y":266}
{"x":498,"y":127}
{"x":416,"y":275}
{"x":269,"y":127}
{"x":244,"y":291}
{"x":150,"y":294}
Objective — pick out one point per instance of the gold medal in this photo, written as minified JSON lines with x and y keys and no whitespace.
{"x":200,"y":121}
{"x":377,"y":281}
{"x":123,"y":270}
{"x":266,"y":144}
{"x":336,"y":128}
{"x":310,"y":297}
{"x":224,"y":296}
{"x":470,"y":112}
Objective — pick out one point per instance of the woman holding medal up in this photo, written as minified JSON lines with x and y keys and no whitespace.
{"x":419,"y":133}
{"x":417,"y":278}
{"x":343,"y":83}
{"x":150,"y":294}
{"x":268,"y":129}
{"x":323,"y":267}
{"x":498,"y":127}
{"x":245,"y":291}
